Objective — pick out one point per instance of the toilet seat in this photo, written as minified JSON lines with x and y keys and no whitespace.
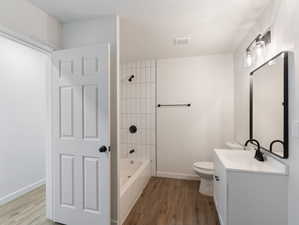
{"x":204,"y":167}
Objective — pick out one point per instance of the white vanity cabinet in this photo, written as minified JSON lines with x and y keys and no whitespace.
{"x":249,"y":192}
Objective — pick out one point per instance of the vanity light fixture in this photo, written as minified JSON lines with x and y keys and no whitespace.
{"x":256,"y":47}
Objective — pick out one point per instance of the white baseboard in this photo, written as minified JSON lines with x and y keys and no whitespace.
{"x":21,"y":192}
{"x":181,"y":176}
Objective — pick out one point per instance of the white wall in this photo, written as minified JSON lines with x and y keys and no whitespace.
{"x":294,"y":154}
{"x":186,"y":135}
{"x":96,"y":31}
{"x":23,"y":118}
{"x":283,"y":17}
{"x":22,"y":17}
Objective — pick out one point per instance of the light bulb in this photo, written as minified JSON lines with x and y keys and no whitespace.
{"x":260,"y":46}
{"x":249,"y":59}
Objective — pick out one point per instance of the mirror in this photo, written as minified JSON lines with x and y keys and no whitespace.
{"x":269,"y":105}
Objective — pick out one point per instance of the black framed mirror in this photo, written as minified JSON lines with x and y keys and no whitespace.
{"x":269,"y":97}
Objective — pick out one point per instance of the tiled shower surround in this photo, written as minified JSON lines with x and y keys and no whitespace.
{"x":138,"y":108}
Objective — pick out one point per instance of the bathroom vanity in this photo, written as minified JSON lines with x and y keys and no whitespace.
{"x":249,"y":192}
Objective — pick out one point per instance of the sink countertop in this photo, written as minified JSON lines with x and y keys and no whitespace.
{"x":239,"y":160}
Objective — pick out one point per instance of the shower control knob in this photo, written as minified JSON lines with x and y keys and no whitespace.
{"x":103,"y":149}
{"x":133,"y":129}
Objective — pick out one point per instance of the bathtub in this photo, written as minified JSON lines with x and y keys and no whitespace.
{"x":134,"y":176}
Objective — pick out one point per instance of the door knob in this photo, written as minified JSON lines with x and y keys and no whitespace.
{"x":103,"y":149}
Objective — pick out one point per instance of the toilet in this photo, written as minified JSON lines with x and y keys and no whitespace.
{"x":205,"y":170}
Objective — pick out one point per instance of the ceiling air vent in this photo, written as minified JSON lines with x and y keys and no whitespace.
{"x":181,"y":41}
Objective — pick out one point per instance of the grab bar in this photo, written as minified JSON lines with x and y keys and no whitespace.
{"x":174,"y":105}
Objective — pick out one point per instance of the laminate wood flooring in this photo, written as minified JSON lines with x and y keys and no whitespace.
{"x":163,"y":202}
{"x":173,"y":202}
{"x":29,"y":209}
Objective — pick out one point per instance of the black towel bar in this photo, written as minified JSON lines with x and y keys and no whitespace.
{"x":174,"y":105}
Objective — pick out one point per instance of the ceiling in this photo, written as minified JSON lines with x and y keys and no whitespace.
{"x":148,"y":28}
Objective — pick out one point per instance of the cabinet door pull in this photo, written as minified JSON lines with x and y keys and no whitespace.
{"x":217,"y":178}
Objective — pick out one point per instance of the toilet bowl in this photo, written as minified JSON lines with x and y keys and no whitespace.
{"x":206,"y":171}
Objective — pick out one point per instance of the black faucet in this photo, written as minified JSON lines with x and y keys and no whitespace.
{"x":258,"y":154}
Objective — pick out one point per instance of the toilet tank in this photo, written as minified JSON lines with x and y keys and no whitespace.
{"x":234,"y":145}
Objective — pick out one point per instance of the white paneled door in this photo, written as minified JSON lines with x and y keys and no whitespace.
{"x":81,"y":158}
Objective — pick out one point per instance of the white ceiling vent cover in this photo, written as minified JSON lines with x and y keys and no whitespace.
{"x":182,"y":40}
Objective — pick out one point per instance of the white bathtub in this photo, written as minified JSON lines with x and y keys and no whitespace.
{"x":134,"y":176}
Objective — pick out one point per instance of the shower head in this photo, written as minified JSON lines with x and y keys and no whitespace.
{"x":131,"y":78}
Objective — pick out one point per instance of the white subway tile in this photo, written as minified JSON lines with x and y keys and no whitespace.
{"x":138,"y":108}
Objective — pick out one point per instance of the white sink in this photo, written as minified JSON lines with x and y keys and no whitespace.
{"x":245,"y":161}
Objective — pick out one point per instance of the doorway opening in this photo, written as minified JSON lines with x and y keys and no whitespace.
{"x":25,"y":131}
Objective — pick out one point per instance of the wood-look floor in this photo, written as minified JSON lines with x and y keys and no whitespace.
{"x":164,"y":202}
{"x":29,"y":209}
{"x":173,"y":202}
